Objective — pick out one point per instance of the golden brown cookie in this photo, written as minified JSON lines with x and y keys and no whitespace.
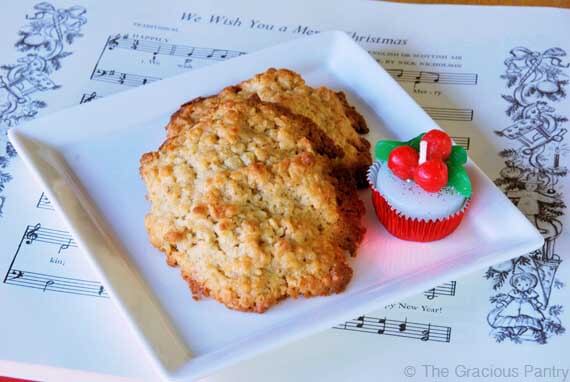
{"x":245,"y":204}
{"x":329,"y":110}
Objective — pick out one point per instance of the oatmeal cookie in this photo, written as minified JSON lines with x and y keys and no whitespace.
{"x":245,"y":203}
{"x":329,"y":110}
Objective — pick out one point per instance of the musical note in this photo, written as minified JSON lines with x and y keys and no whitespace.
{"x":418,"y":78}
{"x":135,"y":45}
{"x":382,"y":329}
{"x":218,"y":54}
{"x":101,"y":290}
{"x":425,"y":77}
{"x":361,"y":323}
{"x":425,"y":333}
{"x":64,"y":246}
{"x":402,"y":327}
{"x":32,"y":234}
{"x":47,"y":284}
{"x":446,"y":289}
{"x":156,"y":52}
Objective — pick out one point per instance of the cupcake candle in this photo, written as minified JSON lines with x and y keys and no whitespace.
{"x":420,"y":188}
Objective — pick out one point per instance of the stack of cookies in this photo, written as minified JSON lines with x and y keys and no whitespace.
{"x":254,"y":193}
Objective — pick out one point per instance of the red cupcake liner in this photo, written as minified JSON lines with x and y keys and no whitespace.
{"x":412,"y":229}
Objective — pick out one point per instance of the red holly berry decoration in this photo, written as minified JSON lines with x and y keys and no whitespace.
{"x":431,"y":175}
{"x":403,"y":161}
{"x":438,"y":144}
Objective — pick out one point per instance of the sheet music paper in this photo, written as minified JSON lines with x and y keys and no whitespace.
{"x":499,"y":88}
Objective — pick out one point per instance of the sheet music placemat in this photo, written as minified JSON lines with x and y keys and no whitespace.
{"x":500,"y":92}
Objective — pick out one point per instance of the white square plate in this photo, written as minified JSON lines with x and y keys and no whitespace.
{"x":87,"y":159}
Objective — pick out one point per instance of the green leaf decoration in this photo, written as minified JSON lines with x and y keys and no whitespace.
{"x":415,"y":142}
{"x":459,"y":180}
{"x":458,"y":156}
{"x":383,"y":148}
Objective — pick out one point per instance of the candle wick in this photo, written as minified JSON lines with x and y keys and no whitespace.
{"x":423,"y":152}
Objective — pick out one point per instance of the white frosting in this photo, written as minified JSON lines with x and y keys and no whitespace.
{"x":412,"y":200}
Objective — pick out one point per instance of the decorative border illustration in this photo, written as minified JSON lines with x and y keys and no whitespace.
{"x":523,"y":310}
{"x":43,"y":40}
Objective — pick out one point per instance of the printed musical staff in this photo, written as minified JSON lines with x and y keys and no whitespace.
{"x":113,"y":76}
{"x":449,"y":114}
{"x":429,"y":77}
{"x":51,"y":283}
{"x":49,"y":236}
{"x":446,"y":289}
{"x":406,"y":329}
{"x":182,"y":57}
{"x":44,"y":203}
{"x":464,"y":142}
{"x":185,"y":51}
{"x":20,"y":275}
